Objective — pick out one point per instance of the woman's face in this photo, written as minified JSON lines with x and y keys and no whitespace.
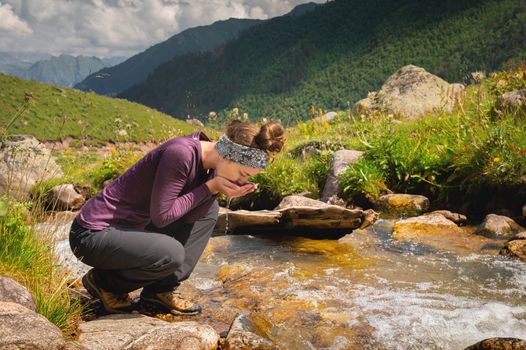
{"x":235,"y":172}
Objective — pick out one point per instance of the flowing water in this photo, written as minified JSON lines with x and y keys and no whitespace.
{"x":366,"y":291}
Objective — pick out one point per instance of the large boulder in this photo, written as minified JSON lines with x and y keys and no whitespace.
{"x":401,"y":203}
{"x":24,"y":161}
{"x":64,"y":197}
{"x":11,"y":291}
{"x":498,"y":226}
{"x":243,"y":335}
{"x":340,"y":161}
{"x":499,"y":344}
{"x":138,"y":332}
{"x":515,"y":247}
{"x":411,"y":92}
{"x":22,"y":328}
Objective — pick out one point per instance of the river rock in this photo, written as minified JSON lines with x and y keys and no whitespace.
{"x":25,"y":329}
{"x":401,"y":203}
{"x":431,"y":224}
{"x":340,"y":161}
{"x":243,"y":335}
{"x":516,"y":247}
{"x":69,"y":262}
{"x":138,"y":332}
{"x":13,"y":292}
{"x":499,"y":344}
{"x":296,"y":213}
{"x":455,"y":217}
{"x":64,"y":197}
{"x":24,"y":161}
{"x":498,"y":226}
{"x":512,"y":100}
{"x":411,"y":92}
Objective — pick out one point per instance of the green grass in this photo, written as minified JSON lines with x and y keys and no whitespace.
{"x":54,"y":113}
{"x":29,"y":260}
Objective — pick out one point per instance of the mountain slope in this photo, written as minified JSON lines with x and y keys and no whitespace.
{"x":113,"y":80}
{"x":56,"y":113}
{"x":333,"y":55}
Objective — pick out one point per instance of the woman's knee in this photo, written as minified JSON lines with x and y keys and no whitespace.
{"x":168,"y":255}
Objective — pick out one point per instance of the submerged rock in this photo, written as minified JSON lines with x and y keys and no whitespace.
{"x":13,"y":292}
{"x":25,"y":329}
{"x":138,"y":332}
{"x":499,"y":344}
{"x":515,"y":247}
{"x":401,"y":203}
{"x":498,"y":226}
{"x":245,"y":335}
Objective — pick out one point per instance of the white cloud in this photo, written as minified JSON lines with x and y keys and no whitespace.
{"x":11,"y":23}
{"x":116,"y":27}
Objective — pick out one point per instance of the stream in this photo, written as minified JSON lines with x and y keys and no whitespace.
{"x":364,"y":291}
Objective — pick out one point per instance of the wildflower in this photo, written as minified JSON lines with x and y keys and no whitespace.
{"x":496,"y":159}
{"x":113,"y":150}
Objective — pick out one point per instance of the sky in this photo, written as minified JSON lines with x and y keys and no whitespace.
{"x":106,"y":28}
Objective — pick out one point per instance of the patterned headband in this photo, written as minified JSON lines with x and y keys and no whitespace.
{"x":244,"y":155}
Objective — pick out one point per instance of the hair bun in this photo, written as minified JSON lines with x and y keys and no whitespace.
{"x":271,"y":137}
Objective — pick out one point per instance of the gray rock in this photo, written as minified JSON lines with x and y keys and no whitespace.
{"x":24,"y":161}
{"x":340,"y":161}
{"x":138,"y":332}
{"x":498,"y":226}
{"x":64,"y":197}
{"x":13,"y":292}
{"x":25,"y":329}
{"x":455,"y":217}
{"x":52,"y":231}
{"x":329,"y":116}
{"x":512,"y":100}
{"x":300,"y":201}
{"x":411,"y":92}
{"x":402,"y":203}
{"x":243,"y":336}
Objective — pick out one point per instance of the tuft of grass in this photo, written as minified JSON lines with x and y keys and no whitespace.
{"x":29,"y":260}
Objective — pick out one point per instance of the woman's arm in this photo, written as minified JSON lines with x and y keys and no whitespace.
{"x":166,"y":203}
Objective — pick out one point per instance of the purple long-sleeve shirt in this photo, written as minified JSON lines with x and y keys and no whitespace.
{"x":165,"y":185}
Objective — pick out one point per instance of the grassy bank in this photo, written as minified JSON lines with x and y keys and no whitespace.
{"x":29,"y":260}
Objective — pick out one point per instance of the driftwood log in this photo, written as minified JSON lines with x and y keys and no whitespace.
{"x":295,"y":215}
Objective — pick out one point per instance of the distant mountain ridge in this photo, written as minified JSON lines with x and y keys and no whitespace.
{"x":63,"y":70}
{"x":333,"y":55}
{"x":110,"y":81}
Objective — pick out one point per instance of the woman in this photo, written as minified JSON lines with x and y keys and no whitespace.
{"x":148,"y":228}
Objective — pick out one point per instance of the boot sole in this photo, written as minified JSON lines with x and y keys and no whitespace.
{"x":173,"y":311}
{"x":94,"y":291}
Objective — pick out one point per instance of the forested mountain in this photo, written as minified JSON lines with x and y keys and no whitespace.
{"x":110,"y":81}
{"x":333,"y":55}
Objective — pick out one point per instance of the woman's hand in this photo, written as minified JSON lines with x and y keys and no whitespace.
{"x":229,"y":188}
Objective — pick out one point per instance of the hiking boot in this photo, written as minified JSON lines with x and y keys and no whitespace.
{"x":113,"y":302}
{"x":173,"y":302}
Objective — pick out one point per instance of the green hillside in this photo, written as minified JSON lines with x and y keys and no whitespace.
{"x":110,"y":81}
{"x":52,"y":113}
{"x":333,"y":55}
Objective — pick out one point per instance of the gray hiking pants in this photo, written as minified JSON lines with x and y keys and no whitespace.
{"x":153,"y":258}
